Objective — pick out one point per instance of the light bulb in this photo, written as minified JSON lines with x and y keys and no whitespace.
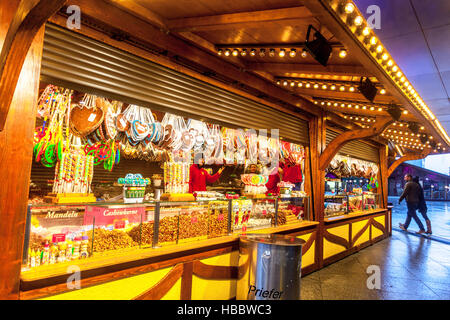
{"x":292,"y":84}
{"x":390,"y":63}
{"x":300,"y":84}
{"x":366,"y":31}
{"x":373,"y":40}
{"x":235,"y":52}
{"x":382,"y":91}
{"x":324,"y":87}
{"x":262,"y":53}
{"x":227,"y":52}
{"x":316,"y":86}
{"x":244,"y":52}
{"x":220,"y":52}
{"x":385,"y":56}
{"x":292,"y":53}
{"x":349,"y":7}
{"x":272,"y":53}
{"x":342,"y":53}
{"x":307,"y":85}
{"x":380,"y":48}
{"x":342,"y":88}
{"x":304,"y":53}
{"x":253,"y":52}
{"x":282,"y":53}
{"x":358,"y":21}
{"x":333,"y":87}
{"x":394,"y":68}
{"x":351,"y":89}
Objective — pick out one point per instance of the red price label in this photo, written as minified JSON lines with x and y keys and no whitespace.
{"x":58,"y":237}
{"x":119,"y":224}
{"x":220,"y":217}
{"x":264,"y":212}
{"x":194,"y":219}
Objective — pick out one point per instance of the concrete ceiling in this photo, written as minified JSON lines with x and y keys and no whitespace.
{"x":417,"y":34}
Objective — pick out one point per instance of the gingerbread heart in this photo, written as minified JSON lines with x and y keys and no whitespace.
{"x":83,"y":121}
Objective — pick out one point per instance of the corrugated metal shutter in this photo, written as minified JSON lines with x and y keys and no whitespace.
{"x":356,"y":148}
{"x":80,"y":63}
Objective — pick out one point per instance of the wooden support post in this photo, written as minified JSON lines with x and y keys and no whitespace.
{"x":317,"y":143}
{"x":383,"y":176}
{"x":407,"y":157}
{"x":29,"y":17}
{"x":337,"y":143}
{"x":16,"y":147}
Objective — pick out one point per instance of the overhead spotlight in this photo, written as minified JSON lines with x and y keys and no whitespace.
{"x":333,"y":87}
{"x":272,"y":53}
{"x":244,"y":52}
{"x":394,"y":111}
{"x":423,"y":139}
{"x":319,"y":48}
{"x":342,"y":53}
{"x":413,"y":127}
{"x":282,"y":53}
{"x":292,"y":53}
{"x":262,"y":53}
{"x":368,"y":89}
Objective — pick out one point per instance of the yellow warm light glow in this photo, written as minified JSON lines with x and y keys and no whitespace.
{"x":373,"y":40}
{"x":366,"y":31}
{"x":349,"y":8}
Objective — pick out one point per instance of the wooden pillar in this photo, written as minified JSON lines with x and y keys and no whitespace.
{"x":317,"y":143}
{"x":383,"y":175}
{"x":16,"y":144}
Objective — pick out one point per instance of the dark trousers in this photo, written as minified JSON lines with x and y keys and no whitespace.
{"x":412,"y":207}
{"x":423,"y":210}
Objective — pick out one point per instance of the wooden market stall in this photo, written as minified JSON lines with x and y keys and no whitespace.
{"x":229,"y":65}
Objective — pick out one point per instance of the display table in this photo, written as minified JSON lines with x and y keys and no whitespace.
{"x":204,"y":269}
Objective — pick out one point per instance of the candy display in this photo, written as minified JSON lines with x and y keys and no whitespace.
{"x":254,"y":183}
{"x":176,"y":177}
{"x":193,"y":223}
{"x":105,"y":240}
{"x":133,"y":187}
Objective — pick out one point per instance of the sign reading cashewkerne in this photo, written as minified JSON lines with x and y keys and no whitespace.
{"x":106,"y":215}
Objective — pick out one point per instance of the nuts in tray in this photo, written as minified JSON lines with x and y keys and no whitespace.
{"x":194,"y":224}
{"x":168,"y":229}
{"x":111,"y":240}
{"x":145,"y":235}
{"x":218,"y":218}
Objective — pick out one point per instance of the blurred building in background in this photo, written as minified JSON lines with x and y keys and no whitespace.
{"x":436,"y":185}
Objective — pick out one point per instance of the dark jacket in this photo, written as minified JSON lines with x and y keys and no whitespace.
{"x":411,"y":192}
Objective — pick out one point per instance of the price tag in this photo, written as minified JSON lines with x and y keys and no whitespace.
{"x":194,"y":219}
{"x":264,"y":212}
{"x":92,"y":117}
{"x":220,"y":217}
{"x":119,"y":224}
{"x":58,"y":237}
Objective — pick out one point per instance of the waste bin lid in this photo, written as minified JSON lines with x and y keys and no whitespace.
{"x":276,"y":239}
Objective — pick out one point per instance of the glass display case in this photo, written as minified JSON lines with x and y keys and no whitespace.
{"x":371,"y":201}
{"x":292,"y":210}
{"x":63,"y":233}
{"x":355,"y":202}
{"x":335,"y":205}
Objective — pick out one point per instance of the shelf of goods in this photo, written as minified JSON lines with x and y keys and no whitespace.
{"x":59,"y":234}
{"x":337,"y":205}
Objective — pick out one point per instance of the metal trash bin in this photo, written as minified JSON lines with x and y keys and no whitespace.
{"x":269,"y":267}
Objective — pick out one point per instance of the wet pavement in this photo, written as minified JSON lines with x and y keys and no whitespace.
{"x":438,"y":212}
{"x":411,"y":267}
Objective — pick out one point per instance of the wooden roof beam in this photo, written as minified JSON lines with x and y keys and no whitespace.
{"x":334,"y":146}
{"x":407,"y":157}
{"x":348,"y":70}
{"x":235,"y":20}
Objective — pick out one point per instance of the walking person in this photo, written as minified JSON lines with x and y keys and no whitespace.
{"x":423,"y":206}
{"x":412,"y":195}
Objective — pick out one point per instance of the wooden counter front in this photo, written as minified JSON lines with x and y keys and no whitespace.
{"x":51,"y":279}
